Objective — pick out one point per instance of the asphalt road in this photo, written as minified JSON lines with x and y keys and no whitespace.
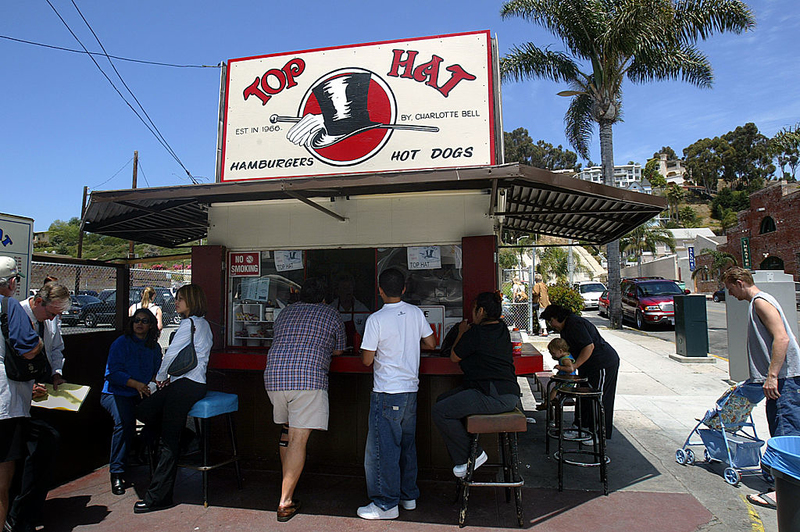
{"x":717,"y":328}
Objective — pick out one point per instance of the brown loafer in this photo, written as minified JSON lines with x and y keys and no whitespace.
{"x":287,"y":512}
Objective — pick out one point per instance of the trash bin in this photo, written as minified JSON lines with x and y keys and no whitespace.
{"x":784,"y":458}
{"x":691,"y":326}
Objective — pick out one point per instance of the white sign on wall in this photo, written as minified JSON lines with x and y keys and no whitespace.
{"x":424,"y":257}
{"x":288,"y":260}
{"x":389,"y":106}
{"x":16,"y":241}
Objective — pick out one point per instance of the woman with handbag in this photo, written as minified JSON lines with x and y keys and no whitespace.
{"x":181,"y":380}
{"x":133,"y":360}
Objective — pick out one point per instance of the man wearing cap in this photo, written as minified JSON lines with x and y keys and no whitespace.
{"x":15,"y":396}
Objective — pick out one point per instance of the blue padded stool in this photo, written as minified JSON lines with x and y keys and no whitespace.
{"x":212,"y":405}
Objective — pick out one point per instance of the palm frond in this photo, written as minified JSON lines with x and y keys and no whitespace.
{"x":699,"y":19}
{"x":683,"y":62}
{"x":529,"y":61}
{"x":579,"y":121}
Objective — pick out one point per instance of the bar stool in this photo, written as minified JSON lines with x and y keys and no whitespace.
{"x":212,"y":405}
{"x":506,"y":426}
{"x":552,"y":431}
{"x":596,"y":456}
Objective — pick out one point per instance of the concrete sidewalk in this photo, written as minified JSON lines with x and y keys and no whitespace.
{"x":658,"y":401}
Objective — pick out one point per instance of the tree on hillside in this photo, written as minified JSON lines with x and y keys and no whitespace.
{"x":704,"y":161}
{"x":608,"y":41}
{"x":519,"y":147}
{"x":749,"y":161}
{"x":652,"y":174}
{"x":674,"y":195}
{"x":645,"y":238}
{"x":785,"y":148}
{"x":671,"y":155}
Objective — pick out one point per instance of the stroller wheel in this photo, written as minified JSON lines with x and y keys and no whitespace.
{"x":689,"y":457}
{"x":707,"y":455}
{"x":732,"y":476}
{"x":680,"y":456}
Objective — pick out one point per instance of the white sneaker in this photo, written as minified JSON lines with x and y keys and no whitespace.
{"x":410,"y":504}
{"x":461,"y":470}
{"x":371,"y":511}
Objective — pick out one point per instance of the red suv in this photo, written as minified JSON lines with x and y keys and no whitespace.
{"x":649,"y":301}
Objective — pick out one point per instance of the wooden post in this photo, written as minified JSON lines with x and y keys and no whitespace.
{"x":131,"y":254}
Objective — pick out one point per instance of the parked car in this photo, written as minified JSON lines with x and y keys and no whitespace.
{"x":649,"y":301}
{"x":797,"y":294}
{"x":75,"y":314}
{"x":590,"y":292}
{"x":101,"y":311}
{"x":719,"y":295}
{"x":602,"y":304}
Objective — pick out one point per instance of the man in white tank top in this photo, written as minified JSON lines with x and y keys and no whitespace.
{"x":774,"y":358}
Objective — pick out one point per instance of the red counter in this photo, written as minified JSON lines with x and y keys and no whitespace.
{"x":529,"y":363}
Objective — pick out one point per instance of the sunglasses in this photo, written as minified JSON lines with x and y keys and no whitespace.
{"x":146,"y":321}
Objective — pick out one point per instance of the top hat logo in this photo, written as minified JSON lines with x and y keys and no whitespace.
{"x":346,"y":117}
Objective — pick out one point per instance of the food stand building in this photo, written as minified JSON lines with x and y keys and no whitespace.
{"x":341,"y":171}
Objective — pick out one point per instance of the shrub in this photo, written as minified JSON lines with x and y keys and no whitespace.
{"x":566,"y":296}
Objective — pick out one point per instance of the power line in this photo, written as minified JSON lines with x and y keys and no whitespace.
{"x":142,"y":61}
{"x":142,"y":171}
{"x":160,"y":135}
{"x":161,"y":140}
{"x":113,"y":176}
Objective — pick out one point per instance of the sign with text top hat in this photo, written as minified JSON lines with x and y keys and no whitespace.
{"x":392,"y":106}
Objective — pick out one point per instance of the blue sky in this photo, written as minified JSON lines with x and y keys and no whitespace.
{"x":63,"y":126}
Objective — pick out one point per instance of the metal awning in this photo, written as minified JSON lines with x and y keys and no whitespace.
{"x":529,"y":200}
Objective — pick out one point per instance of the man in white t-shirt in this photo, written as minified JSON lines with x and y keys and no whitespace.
{"x":391,"y":345}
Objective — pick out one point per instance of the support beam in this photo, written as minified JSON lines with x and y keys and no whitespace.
{"x":310,"y":203}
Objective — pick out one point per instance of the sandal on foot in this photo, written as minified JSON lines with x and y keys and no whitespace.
{"x":761,"y":499}
{"x":287,"y":512}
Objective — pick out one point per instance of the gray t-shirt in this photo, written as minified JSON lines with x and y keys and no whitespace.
{"x":759,"y":344}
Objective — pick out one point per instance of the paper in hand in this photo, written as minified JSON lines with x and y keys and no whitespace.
{"x":68,"y":397}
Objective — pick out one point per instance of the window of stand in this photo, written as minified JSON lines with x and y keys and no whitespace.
{"x":255,"y":301}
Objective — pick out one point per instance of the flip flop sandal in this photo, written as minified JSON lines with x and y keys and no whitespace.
{"x":287,"y":512}
{"x":761,"y":499}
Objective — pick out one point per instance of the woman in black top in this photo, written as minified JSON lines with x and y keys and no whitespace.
{"x":594,"y":357}
{"x":484,"y":352}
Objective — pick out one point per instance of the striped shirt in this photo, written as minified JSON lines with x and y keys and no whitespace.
{"x":305,"y":336}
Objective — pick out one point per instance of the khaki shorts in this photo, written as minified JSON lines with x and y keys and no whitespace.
{"x":300,"y":409}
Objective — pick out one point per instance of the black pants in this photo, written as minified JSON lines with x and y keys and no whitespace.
{"x":33,"y":477}
{"x":164,"y":413}
{"x":605,"y":380}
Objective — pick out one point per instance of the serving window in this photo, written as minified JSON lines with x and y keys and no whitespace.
{"x":262,"y":283}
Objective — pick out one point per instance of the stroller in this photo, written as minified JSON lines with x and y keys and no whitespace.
{"x":725,"y":436}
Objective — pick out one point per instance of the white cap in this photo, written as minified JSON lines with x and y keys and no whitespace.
{"x":8,"y":269}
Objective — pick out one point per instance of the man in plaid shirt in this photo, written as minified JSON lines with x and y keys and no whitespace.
{"x":307,"y":334}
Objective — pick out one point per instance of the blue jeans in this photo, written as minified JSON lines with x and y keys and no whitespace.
{"x":122,"y":410}
{"x":390,"y":460}
{"x":783,"y":413}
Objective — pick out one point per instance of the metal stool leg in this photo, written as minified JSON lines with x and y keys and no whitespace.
{"x":560,"y":415}
{"x":515,"y":477}
{"x":473,"y":454}
{"x":602,"y":443}
{"x":232,"y":429}
{"x":204,"y":428}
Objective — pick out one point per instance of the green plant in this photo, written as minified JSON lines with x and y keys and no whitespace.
{"x":564,"y":295}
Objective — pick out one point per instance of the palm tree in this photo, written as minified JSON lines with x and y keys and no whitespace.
{"x":607,"y":41}
{"x":720,"y":261}
{"x":553,"y":264}
{"x":646,"y":238}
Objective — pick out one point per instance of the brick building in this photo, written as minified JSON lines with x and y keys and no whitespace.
{"x":769,"y":231}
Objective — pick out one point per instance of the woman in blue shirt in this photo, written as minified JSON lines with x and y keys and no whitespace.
{"x":132,"y":363}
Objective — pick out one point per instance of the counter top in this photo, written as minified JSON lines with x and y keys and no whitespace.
{"x":256,"y":360}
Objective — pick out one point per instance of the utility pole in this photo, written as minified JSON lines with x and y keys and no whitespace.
{"x":135,"y":170}
{"x":80,"y":239}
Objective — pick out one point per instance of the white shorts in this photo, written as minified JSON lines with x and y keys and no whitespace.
{"x":300,"y":409}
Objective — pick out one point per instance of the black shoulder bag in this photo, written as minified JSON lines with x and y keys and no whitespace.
{"x":19,"y":368}
{"x":186,"y":360}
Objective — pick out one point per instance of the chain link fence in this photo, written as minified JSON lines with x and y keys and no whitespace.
{"x":93,"y":290}
{"x":517,"y":308}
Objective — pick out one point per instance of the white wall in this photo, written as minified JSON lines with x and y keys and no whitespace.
{"x":372,"y":221}
{"x":666,"y":267}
